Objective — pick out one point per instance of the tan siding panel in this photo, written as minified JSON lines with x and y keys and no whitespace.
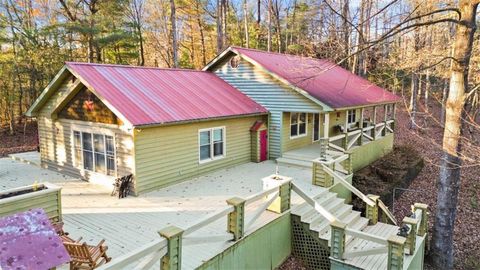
{"x":169,"y":154}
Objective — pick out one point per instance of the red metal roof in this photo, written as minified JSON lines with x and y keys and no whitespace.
{"x":322,"y":79}
{"x":147,"y":96}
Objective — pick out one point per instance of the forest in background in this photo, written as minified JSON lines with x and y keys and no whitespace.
{"x":38,"y":36}
{"x":405,"y":46}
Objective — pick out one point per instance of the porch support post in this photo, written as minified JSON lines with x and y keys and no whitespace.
{"x":359,"y":142}
{"x":394,"y":108}
{"x":326,"y":125}
{"x":384,"y":130}
{"x":337,"y":239}
{"x":412,"y":234}
{"x":345,"y":132}
{"x":371,"y":212}
{"x":348,"y":163}
{"x":173,"y":259}
{"x":236,"y":219}
{"x":374,"y":120}
{"x":395,"y":252}
{"x":323,"y":142}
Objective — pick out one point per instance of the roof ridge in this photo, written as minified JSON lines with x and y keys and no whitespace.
{"x":283,"y":54}
{"x":131,"y":66}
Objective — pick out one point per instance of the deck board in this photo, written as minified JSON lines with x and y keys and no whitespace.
{"x":373,"y":261}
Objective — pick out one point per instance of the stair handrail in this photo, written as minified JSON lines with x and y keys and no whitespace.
{"x":387,"y":212}
{"x":349,"y":186}
{"x":320,"y":209}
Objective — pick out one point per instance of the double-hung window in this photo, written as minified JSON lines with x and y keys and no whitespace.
{"x":298,"y":124}
{"x":351,"y":116}
{"x":211,"y":143}
{"x":94,"y":152}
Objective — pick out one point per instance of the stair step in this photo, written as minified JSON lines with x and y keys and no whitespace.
{"x":341,"y":212}
{"x":312,"y":216}
{"x":328,"y":202}
{"x":301,"y":209}
{"x":294,"y":162}
{"x":299,"y":157}
{"x":361,"y":224}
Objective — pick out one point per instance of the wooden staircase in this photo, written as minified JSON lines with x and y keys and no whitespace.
{"x":336,"y":206}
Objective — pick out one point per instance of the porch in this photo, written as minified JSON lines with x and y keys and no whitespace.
{"x":356,"y":131}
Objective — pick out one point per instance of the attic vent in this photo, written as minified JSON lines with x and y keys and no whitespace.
{"x":234,"y":62}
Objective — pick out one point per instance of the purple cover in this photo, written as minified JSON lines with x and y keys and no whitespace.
{"x":28,"y":241}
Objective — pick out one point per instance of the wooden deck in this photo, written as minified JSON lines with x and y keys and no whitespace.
{"x":127,"y":224}
{"x":378,"y":261}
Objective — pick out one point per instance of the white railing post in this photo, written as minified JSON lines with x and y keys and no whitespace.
{"x":173,"y":259}
{"x":282,"y":203}
{"x":319,"y":176}
{"x":396,"y":245}
{"x":412,"y":233}
{"x":236,"y":219}
{"x":371,"y":212}
{"x":337,"y":239}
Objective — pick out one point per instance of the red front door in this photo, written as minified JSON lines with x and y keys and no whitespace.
{"x":263,"y":145}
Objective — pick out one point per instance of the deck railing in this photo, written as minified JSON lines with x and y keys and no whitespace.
{"x":327,"y":171}
{"x":394,"y":245}
{"x":241,"y":215}
{"x":345,"y":141}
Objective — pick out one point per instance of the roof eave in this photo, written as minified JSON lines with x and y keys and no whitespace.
{"x":198,"y":120}
{"x":40,"y":101}
{"x":258,"y":65}
{"x":110,"y":106}
{"x":365,"y":105}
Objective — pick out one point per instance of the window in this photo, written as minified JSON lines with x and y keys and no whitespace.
{"x":298,"y":124}
{"x":351,"y":116}
{"x":211,"y":144}
{"x":234,"y":62}
{"x":94,"y":152}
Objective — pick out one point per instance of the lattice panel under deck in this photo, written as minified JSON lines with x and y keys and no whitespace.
{"x":312,"y":251}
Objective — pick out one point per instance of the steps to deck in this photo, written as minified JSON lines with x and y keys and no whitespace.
{"x":318,"y":226}
{"x":337,"y":207}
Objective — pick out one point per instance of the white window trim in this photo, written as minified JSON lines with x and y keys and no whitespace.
{"x":298,"y":126}
{"x":354,"y":120}
{"x":212,"y":157}
{"x":81,"y":167}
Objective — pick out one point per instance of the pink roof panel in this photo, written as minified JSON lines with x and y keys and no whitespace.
{"x":146,"y":96}
{"x":322,"y":79}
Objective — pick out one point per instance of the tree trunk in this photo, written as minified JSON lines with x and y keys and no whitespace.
{"x":449,"y":180}
{"x":427,"y":90}
{"x":173,"y":22}
{"x":444,"y":98}
{"x":245,"y":22}
{"x":269,"y":25}
{"x":413,"y":101}
{"x":346,"y":32}
{"x":142,"y":50}
{"x":220,"y":38}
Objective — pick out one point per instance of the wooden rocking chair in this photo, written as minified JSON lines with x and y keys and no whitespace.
{"x":85,"y":256}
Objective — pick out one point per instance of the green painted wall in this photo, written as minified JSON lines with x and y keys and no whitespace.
{"x":169,"y":154}
{"x":298,"y":142}
{"x":266,"y":248}
{"x":368,"y":153}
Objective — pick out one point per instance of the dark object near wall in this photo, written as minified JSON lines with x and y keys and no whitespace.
{"x":122,"y":186}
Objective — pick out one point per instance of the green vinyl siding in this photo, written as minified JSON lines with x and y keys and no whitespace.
{"x":270,"y":93}
{"x":289,"y":143}
{"x":165,"y":155}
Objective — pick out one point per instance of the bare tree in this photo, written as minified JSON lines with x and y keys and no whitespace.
{"x":449,"y":180}
{"x":173,"y":22}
